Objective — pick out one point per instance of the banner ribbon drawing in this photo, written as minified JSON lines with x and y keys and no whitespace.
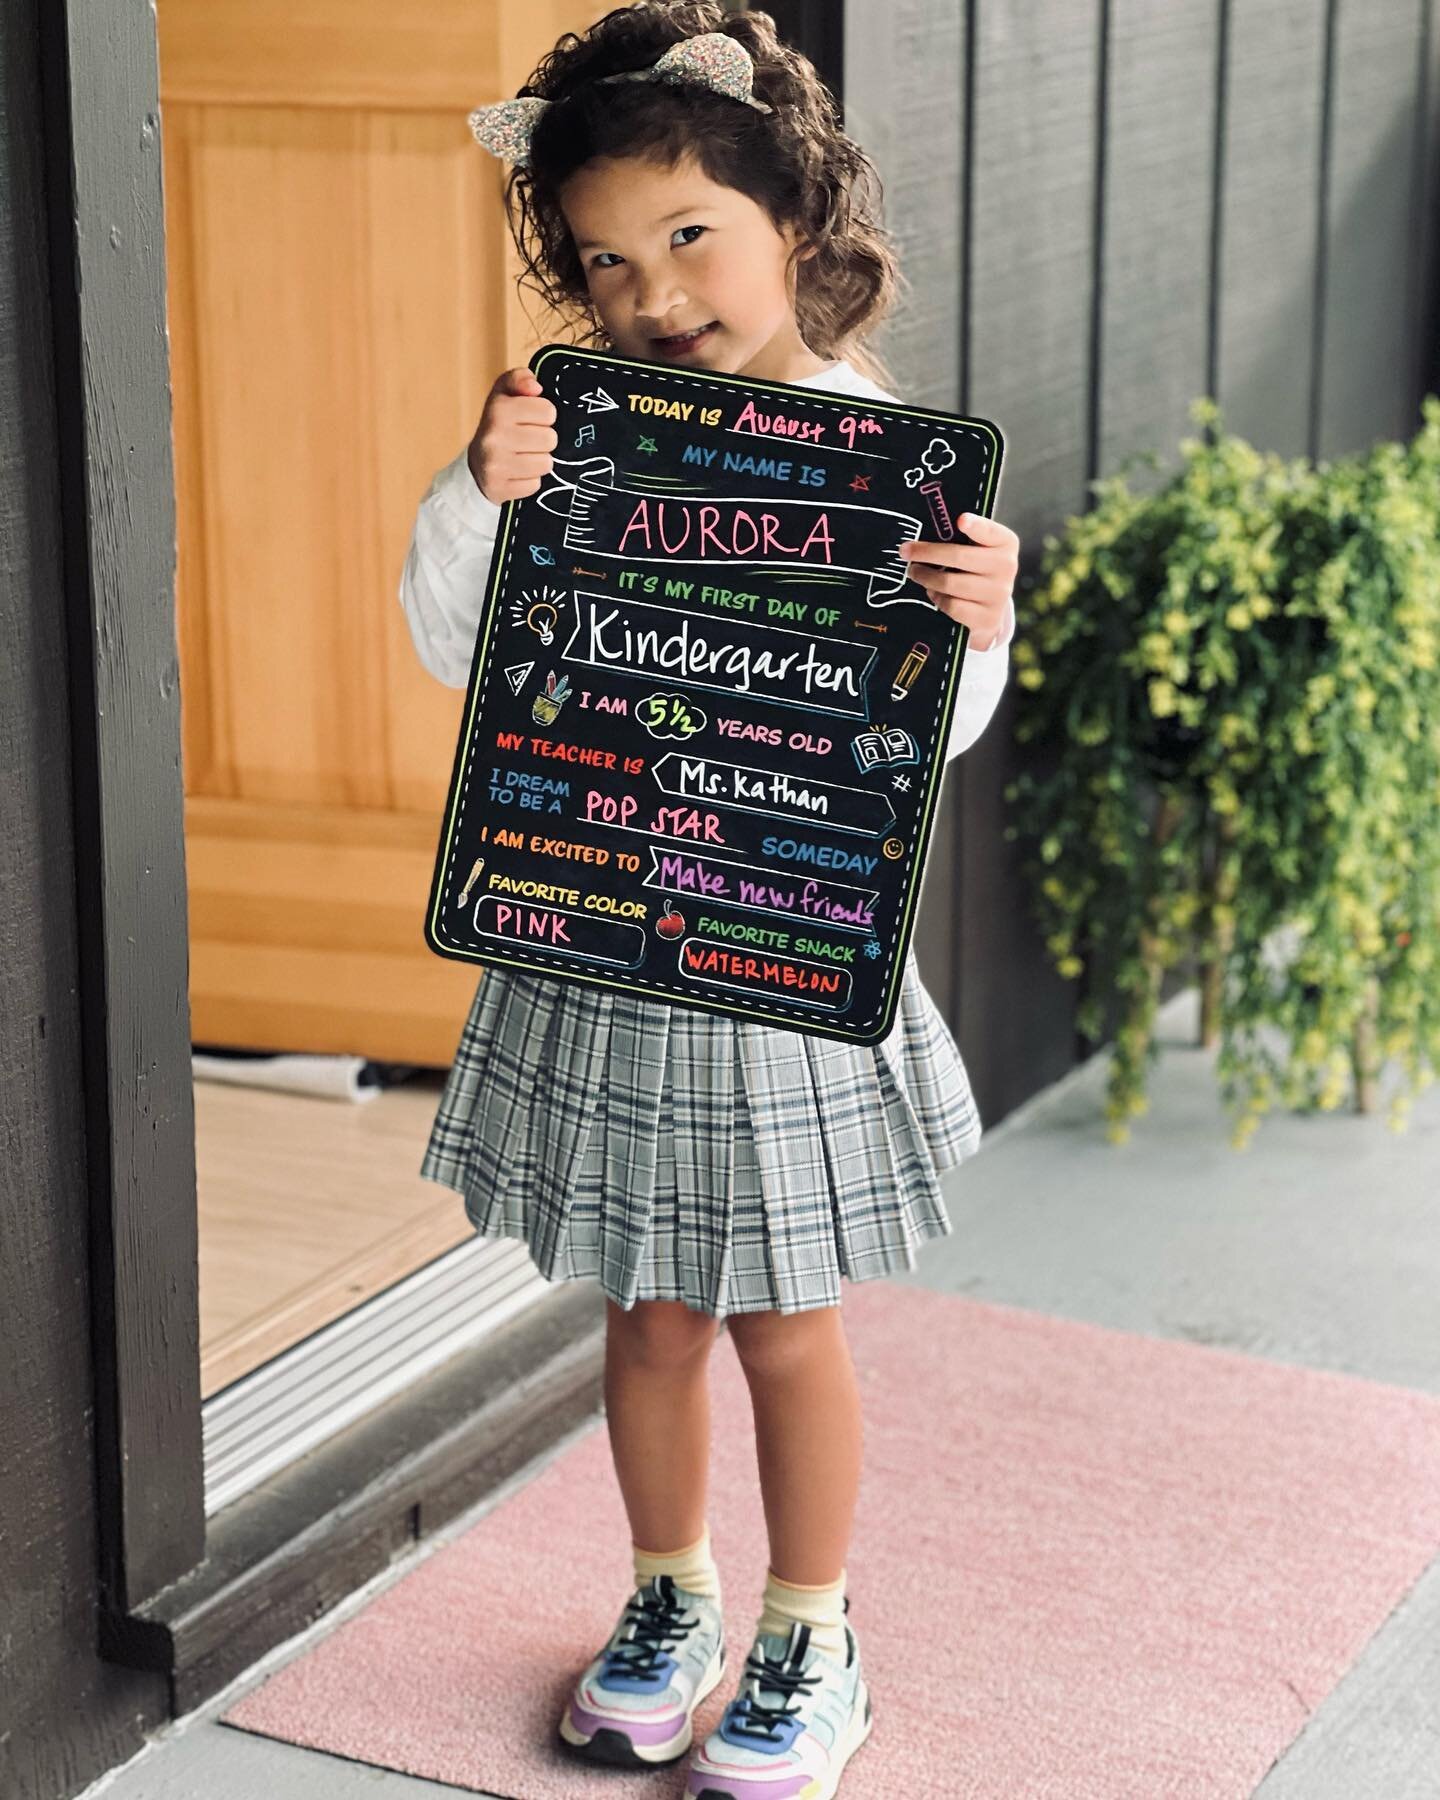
{"x":799,"y":535}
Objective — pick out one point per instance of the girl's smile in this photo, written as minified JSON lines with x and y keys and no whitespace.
{"x":663,"y":246}
{"x":683,"y":343}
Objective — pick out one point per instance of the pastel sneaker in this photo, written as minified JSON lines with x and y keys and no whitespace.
{"x":798,"y":1718}
{"x":633,"y":1703}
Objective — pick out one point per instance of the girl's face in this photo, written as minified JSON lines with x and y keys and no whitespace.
{"x":668,"y":250}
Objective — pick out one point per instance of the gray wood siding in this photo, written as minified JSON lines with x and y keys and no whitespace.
{"x":1156,"y":238}
{"x":1266,"y":305}
{"x":919,"y":151}
{"x":1372,"y":199}
{"x":1106,"y":209}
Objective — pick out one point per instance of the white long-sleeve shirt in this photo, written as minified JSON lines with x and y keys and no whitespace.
{"x":442,"y":587}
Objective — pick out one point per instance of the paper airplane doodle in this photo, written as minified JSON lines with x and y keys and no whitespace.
{"x":597,"y":400}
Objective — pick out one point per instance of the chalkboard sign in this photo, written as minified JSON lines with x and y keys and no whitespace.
{"x":707,"y":716}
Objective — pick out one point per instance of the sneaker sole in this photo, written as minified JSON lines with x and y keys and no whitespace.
{"x":610,"y":1745}
{"x":828,"y":1791}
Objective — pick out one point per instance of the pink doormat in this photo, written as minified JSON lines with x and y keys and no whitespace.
{"x":1087,"y":1565}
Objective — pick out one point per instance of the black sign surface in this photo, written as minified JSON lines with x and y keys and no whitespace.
{"x":707,"y":717}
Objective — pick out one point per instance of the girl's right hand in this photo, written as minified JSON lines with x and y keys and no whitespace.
{"x":510,"y":450}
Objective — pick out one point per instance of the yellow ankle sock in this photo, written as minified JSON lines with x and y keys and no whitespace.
{"x":692,"y":1568}
{"x":821,"y":1608}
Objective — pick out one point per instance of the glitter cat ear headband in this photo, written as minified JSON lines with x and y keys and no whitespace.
{"x":710,"y":60}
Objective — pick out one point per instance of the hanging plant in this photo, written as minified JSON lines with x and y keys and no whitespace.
{"x":1232,"y":685}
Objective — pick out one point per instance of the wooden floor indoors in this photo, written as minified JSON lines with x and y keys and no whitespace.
{"x":307,"y":1208}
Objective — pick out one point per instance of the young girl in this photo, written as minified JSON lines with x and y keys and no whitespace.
{"x":681,"y":188}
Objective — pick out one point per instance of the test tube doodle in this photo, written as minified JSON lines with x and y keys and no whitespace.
{"x":909,"y":670}
{"x":935,"y":494}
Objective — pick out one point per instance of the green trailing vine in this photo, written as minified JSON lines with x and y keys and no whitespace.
{"x":1233,"y":688}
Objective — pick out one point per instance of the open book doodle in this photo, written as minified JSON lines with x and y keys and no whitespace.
{"x":886,"y":744}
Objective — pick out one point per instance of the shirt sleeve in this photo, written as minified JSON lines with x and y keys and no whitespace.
{"x":442,"y":585}
{"x":982,"y":682}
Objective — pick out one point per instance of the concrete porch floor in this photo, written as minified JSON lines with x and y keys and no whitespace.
{"x":1319,"y":1245}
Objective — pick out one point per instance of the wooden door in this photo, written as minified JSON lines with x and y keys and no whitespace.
{"x":341,"y":297}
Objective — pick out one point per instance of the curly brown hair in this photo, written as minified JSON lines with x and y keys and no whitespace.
{"x":795,"y":161}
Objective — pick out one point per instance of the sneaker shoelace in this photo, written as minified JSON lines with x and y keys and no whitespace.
{"x":658,"y":1618}
{"x":751,"y":1715}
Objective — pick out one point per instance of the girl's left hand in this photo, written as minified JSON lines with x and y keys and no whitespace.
{"x":972,"y":582}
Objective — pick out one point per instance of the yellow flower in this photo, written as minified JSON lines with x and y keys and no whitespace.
{"x":1238,"y":616}
{"x":1070,"y":967}
{"x":1332,"y":1093}
{"x":1031,"y":678}
{"x":1162,"y":698}
{"x":1223,"y":797}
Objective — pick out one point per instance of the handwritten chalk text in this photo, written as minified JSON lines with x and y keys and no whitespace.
{"x":632,"y":638}
{"x":720,"y":531}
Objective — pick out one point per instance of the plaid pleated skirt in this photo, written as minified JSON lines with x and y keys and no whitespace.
{"x":683,"y":1155}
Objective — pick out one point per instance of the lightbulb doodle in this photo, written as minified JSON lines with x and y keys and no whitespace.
{"x":540,"y":610}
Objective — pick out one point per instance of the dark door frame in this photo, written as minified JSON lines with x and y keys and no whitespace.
{"x":112,"y":382}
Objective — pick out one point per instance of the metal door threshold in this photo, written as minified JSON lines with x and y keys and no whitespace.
{"x":258,"y":1424}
